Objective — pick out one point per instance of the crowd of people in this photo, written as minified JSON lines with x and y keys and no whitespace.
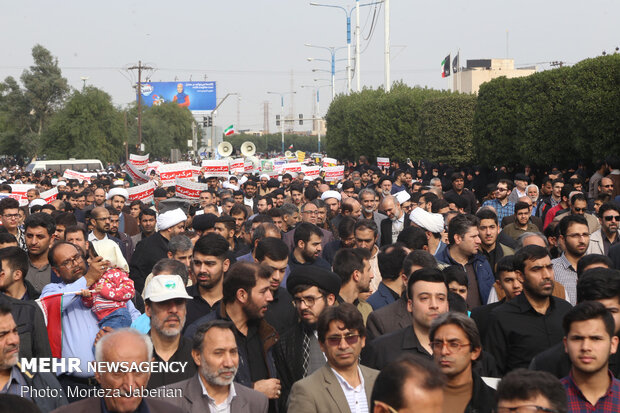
{"x":414,"y":289}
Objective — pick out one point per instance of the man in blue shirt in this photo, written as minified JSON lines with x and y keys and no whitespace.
{"x":503,"y":207}
{"x":79,"y":323}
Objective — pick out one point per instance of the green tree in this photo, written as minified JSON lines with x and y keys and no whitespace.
{"x":88,"y":126}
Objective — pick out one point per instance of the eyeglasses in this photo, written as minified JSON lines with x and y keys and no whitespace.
{"x":526,"y":408}
{"x":610,"y":218}
{"x":310,"y":212}
{"x":501,"y":189}
{"x":453,"y":345}
{"x":11,"y":216}
{"x":350,"y":339}
{"x":580,"y":209}
{"x":72,"y":262}
{"x":307,"y":300}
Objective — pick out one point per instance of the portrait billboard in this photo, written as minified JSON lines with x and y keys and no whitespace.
{"x":198,"y":97}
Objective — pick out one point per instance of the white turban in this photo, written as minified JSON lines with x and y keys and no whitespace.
{"x":37,"y":201}
{"x":118,"y":191}
{"x":426,"y":220}
{"x":331,"y":194}
{"x":264,"y":176}
{"x":170,"y":218}
{"x":402,"y":197}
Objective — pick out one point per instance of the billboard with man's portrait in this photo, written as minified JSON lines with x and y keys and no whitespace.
{"x":196,"y":96}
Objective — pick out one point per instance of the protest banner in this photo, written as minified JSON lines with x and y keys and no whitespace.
{"x":136,"y":176}
{"x":18,"y":192}
{"x":292,"y":167}
{"x":329,"y":162}
{"x":237,"y":166}
{"x":187,"y":189}
{"x":142,"y":192}
{"x":334,"y":173}
{"x":139,"y":161}
{"x":215,"y":168}
{"x":169,"y":172}
{"x":383,"y":162}
{"x":311,"y":171}
{"x":49,"y":196}
{"x":71,"y":174}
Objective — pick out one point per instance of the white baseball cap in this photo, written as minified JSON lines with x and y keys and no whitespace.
{"x":165,"y":287}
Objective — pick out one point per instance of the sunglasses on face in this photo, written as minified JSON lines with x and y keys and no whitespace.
{"x":350,"y":339}
{"x":610,"y":218}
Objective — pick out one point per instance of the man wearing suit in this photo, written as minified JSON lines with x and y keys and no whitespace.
{"x":341,"y":384}
{"x":122,"y":345}
{"x":392,"y":284}
{"x":215,"y":353}
{"x":395,"y":222}
{"x":369,"y":207}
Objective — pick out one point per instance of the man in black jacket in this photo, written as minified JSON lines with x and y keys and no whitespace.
{"x":456,"y":346}
{"x":298,"y":353}
{"x":395,"y":222}
{"x":30,"y":326}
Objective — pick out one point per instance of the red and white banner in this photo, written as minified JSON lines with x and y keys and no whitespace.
{"x":71,"y":174}
{"x":292,"y":167}
{"x":215,"y":168}
{"x":169,"y":172}
{"x":142,"y":192}
{"x":248,"y":167}
{"x":18,"y":192}
{"x":154,"y":166}
{"x":334,"y":173}
{"x":139,"y":161}
{"x":187,"y":189}
{"x":136,"y":176}
{"x":49,"y":196}
{"x":383,"y":162}
{"x":237,"y":166}
{"x":329,"y":162}
{"x":311,"y":171}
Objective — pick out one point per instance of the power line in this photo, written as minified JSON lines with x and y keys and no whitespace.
{"x":140,"y":68}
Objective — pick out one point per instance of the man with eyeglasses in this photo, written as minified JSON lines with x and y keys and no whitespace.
{"x":341,"y":384}
{"x":578,"y":205}
{"x":527,"y":391}
{"x":602,"y":240}
{"x":502,"y":205}
{"x":9,"y":214}
{"x":456,"y":346}
{"x":575,"y":237}
{"x":79,"y":323}
{"x":309,"y":214}
{"x":298,"y":354}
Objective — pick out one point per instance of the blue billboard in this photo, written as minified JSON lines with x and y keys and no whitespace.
{"x":196,"y":96}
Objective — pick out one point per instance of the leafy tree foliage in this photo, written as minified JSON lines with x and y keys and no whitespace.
{"x":88,"y":126}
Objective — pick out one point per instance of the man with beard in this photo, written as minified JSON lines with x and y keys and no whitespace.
{"x":602,"y":240}
{"x":589,"y":342}
{"x":79,"y":323}
{"x":456,"y":346}
{"x":501,"y":204}
{"x":14,"y":378}
{"x":522,"y":222}
{"x":215,"y":351}
{"x":274,"y":253}
{"x":39,"y":229}
{"x":488,"y":228}
{"x":116,"y":199}
{"x":210,"y":262}
{"x":332,"y":200}
{"x":459,"y":191}
{"x":164,"y":300}
{"x":100,"y":219}
{"x":353,"y":268}
{"x":307,"y":240}
{"x":346,"y":233}
{"x":147,"y":220}
{"x":127,"y":246}
{"x":246,"y":297}
{"x":369,"y":207}
{"x":298,"y":354}
{"x":575,"y":237}
{"x":395,"y":222}
{"x":530,"y":322}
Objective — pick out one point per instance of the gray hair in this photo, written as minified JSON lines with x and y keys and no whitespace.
{"x":433,"y":180}
{"x":392,"y":198}
{"x":525,"y":235}
{"x":364,"y":192}
{"x":460,"y":320}
{"x":180,"y":243}
{"x":99,"y":347}
{"x":169,"y":266}
{"x":288,"y":209}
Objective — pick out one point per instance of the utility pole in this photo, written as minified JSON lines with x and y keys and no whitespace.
{"x":386,"y":11}
{"x":140,"y":68}
{"x":557,"y":63}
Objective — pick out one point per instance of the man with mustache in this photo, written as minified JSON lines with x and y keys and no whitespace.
{"x":456,"y":345}
{"x":353,"y":267}
{"x":164,"y":300}
{"x":11,"y":377}
{"x":298,"y":354}
{"x":395,"y":222}
{"x":246,"y":296}
{"x":209,"y":264}
{"x":575,"y":236}
{"x":215,"y":352}
{"x":530,"y":322}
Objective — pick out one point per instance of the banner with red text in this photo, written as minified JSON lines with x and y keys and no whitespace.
{"x":49,"y":196}
{"x":139,"y":161}
{"x":237,"y":166}
{"x":169,"y":172}
{"x":215,"y":168}
{"x":136,"y":176}
{"x":18,"y":192}
{"x":292,"y":167}
{"x":187,"y":189}
{"x":71,"y":174}
{"x":334,"y":173}
{"x":142,"y":192}
{"x":311,"y":171}
{"x":329,"y":162}
{"x":383,"y":162}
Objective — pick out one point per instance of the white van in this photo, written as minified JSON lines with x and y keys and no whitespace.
{"x":61,"y":165}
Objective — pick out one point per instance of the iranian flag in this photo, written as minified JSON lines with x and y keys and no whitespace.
{"x":51,"y":306}
{"x":229,"y":130}
{"x":446,"y":66}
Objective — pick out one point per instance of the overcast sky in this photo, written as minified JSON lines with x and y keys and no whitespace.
{"x":251,"y":47}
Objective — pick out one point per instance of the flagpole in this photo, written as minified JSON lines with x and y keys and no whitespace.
{"x":458,"y":66}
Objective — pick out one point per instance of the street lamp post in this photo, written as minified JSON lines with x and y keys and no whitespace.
{"x":317,"y":115}
{"x":332,"y":50}
{"x":348,"y":13}
{"x":281,"y":112}
{"x":213,"y":112}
